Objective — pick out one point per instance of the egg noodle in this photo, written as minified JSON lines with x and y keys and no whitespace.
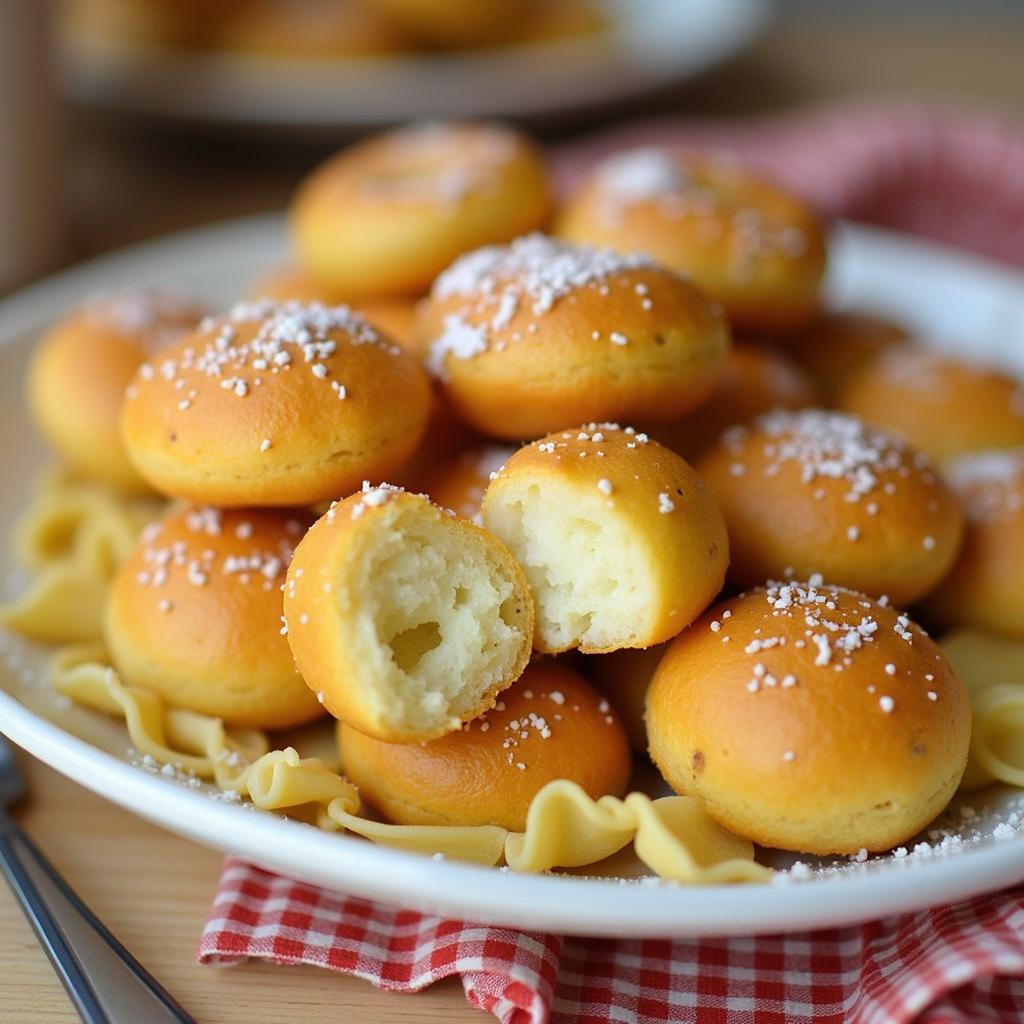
{"x":74,"y":534}
{"x":992,"y":669}
{"x":674,"y":836}
{"x":71,"y":539}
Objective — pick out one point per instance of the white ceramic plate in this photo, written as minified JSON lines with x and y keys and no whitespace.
{"x":648,"y":44}
{"x":955,"y":299}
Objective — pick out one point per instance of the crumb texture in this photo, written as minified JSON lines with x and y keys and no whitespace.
{"x":587,"y":573}
{"x":441,"y":622}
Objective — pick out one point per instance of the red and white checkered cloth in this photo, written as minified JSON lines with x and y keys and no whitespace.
{"x":949,"y":174}
{"x":946,"y":174}
{"x":953,"y":965}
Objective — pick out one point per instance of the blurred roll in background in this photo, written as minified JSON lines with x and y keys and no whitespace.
{"x":125,"y":119}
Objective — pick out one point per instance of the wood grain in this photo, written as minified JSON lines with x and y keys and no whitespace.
{"x":153,"y":890}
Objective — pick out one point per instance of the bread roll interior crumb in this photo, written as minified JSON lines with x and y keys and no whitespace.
{"x":439,"y":621}
{"x":590,"y":579}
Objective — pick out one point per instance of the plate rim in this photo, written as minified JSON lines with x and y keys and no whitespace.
{"x":327,"y":99}
{"x":561,"y":904}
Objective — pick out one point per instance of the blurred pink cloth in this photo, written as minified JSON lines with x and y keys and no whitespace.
{"x":947,"y":173}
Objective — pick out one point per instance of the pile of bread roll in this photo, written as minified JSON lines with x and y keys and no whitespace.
{"x":671,"y":505}
{"x":323,"y":29}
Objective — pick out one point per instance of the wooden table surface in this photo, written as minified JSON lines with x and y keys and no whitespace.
{"x":153,"y":889}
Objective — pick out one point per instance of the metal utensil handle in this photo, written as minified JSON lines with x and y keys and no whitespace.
{"x":105,"y":982}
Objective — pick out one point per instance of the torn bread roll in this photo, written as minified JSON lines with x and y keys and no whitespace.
{"x":405,"y":619}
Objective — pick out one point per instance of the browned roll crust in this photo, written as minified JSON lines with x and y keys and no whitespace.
{"x":756,"y":249}
{"x":540,"y":335}
{"x":835,"y":345}
{"x":986,"y":587}
{"x":624,"y":677}
{"x":406,"y":619}
{"x":275,"y":404}
{"x":312,"y":28}
{"x":620,"y":540}
{"x":810,"y":718}
{"x":549,"y":20}
{"x":81,"y":367}
{"x":292,"y":284}
{"x":194,"y":614}
{"x":941,"y":405}
{"x":755,"y":380}
{"x":395,"y":317}
{"x":459,"y":484}
{"x":812,"y":491}
{"x":445,"y":438}
{"x":186,"y":24}
{"x":386,"y":216}
{"x":456,"y":23}
{"x":549,"y":725}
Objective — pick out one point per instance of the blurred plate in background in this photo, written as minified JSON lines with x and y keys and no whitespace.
{"x":644,"y":45}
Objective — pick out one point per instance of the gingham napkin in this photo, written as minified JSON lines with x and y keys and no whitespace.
{"x":953,"y":965}
{"x":950,"y":175}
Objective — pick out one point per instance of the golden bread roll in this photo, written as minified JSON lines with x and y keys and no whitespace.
{"x":810,"y":718}
{"x":623,"y":677}
{"x":986,"y":587}
{"x":188,"y":24}
{"x":548,"y":725}
{"x":387,"y":215}
{"x":455,"y":23}
{"x":813,"y":491}
{"x":194,"y":614}
{"x":310,"y":28}
{"x":620,"y":540}
{"x":445,"y":434}
{"x":445,"y":438}
{"x":835,"y":345}
{"x":560,"y":20}
{"x":942,"y":405}
{"x":394,"y":317}
{"x":275,"y":404}
{"x":755,"y":381}
{"x":460,"y":483}
{"x":81,"y":367}
{"x":540,"y":335}
{"x":758,"y":250}
{"x":406,"y":620}
{"x":292,"y":284}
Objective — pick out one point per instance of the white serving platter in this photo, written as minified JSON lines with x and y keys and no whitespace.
{"x":950,"y":298}
{"x":648,"y":44}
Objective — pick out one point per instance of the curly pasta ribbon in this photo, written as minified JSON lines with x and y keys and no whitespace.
{"x":190,"y":742}
{"x":997,"y":739}
{"x":72,"y":537}
{"x":674,"y":836}
{"x":992,"y":669}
